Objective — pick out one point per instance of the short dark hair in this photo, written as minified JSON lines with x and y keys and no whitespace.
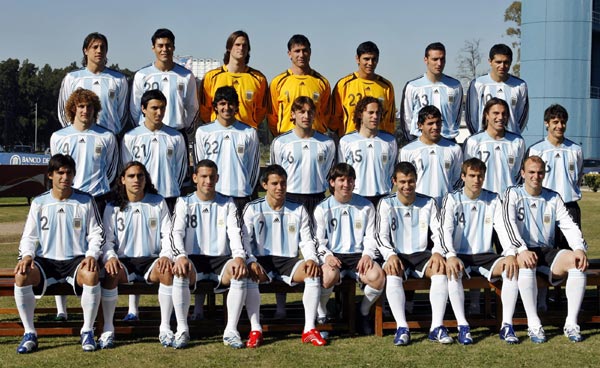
{"x":437,"y":46}
{"x":501,"y":49}
{"x":556,"y":111}
{"x":206,"y":163}
{"x":121,"y":199}
{"x":361,"y":106}
{"x":82,"y":95}
{"x":429,"y":111}
{"x":272,"y":170}
{"x":229,"y":44}
{"x":488,"y":105}
{"x":163,"y":33}
{"x":59,"y":160}
{"x":88,"y":40}
{"x":299,"y":103}
{"x":406,"y":168}
{"x":152,"y":94}
{"x":227,"y":93}
{"x":368,"y":47}
{"x":340,"y":169}
{"x":473,"y":163}
{"x":298,"y":39}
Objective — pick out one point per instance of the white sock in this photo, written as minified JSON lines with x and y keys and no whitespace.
{"x":90,"y":301}
{"x":574,"y":290}
{"x":394,"y":292}
{"x":61,"y":304}
{"x":325,"y":294}
{"x":235,"y":303}
{"x":456,"y":294}
{"x":134,"y":302}
{"x":181,"y":302}
{"x":509,"y":296}
{"x":280,"y":298}
{"x":438,"y":297}
{"x":199,"y":305}
{"x":165,"y":300}
{"x":528,"y":290}
{"x":310,"y":300}
{"x":371,"y":295}
{"x":25,"y":300}
{"x":253,"y":305}
{"x":109,"y":303}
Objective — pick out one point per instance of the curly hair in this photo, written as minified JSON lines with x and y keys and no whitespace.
{"x":82,"y":95}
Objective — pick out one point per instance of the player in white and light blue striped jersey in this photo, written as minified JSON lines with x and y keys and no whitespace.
{"x":433,"y":88}
{"x":173,"y":80}
{"x":501,"y":150}
{"x":436,"y":159}
{"x":498,"y":83}
{"x":371,"y":152}
{"x":109,"y":85}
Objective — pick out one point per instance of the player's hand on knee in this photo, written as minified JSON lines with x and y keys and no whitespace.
{"x":527,"y":259}
{"x":581,"y":261}
{"x":437,"y":264}
{"x":113,"y":266}
{"x":89,"y":264}
{"x":394,"y":266}
{"x":24,"y":266}
{"x":255,"y":272}
{"x":311,"y":268}
{"x":164,"y":265}
{"x":511,"y":267}
{"x":182,"y":267}
{"x":238,"y":268}
{"x":364,"y":265}
{"x":454,"y":268}
{"x":333,"y":261}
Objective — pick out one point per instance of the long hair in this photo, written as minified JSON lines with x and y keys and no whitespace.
{"x":121,"y":199}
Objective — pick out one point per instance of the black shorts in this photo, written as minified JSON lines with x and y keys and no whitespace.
{"x":546,"y":257}
{"x":138,"y":268}
{"x":481,"y":264}
{"x":53,"y":272}
{"x":210,"y":268}
{"x":415,"y":264}
{"x":280,"y":268}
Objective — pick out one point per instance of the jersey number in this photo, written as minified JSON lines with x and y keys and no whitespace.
{"x":357,"y":155}
{"x":120,"y":224}
{"x":139,"y":149}
{"x":44,"y":223}
{"x":354,"y":98}
{"x":459,"y":218}
{"x":211,"y":148}
{"x":483,"y":155}
{"x":191,"y":221}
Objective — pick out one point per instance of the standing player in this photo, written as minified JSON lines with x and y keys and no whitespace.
{"x":299,"y":80}
{"x":207,"y":246}
{"x":61,"y":242}
{"x":137,"y":248}
{"x":176,"y":82}
{"x":434,"y":88}
{"x":371,"y":152}
{"x":109,"y":85}
{"x":249,"y":83}
{"x":436,"y":158}
{"x":468,"y":217}
{"x":346,"y":242}
{"x":405,"y":223}
{"x":274,"y":230}
{"x":498,"y":83}
{"x":364,"y":82}
{"x":531,"y":214}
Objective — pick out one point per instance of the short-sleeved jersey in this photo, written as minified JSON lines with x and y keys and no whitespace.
{"x":269,"y":232}
{"x":179,"y":87}
{"x":306,"y":161}
{"x":467,"y":224}
{"x":109,"y":85}
{"x":142,"y":229}
{"x":351,"y":89}
{"x":251,"y":87}
{"x":95,"y":153}
{"x":62,"y":230}
{"x":438,"y":166}
{"x":446,"y":95}
{"x":373,"y":160}
{"x":564,"y":167}
{"x":346,"y":228}
{"x":235,"y":151}
{"x":164,"y":154}
{"x":209,"y":228}
{"x":285,"y":88}
{"x":531,"y":220}
{"x":406,"y":229}
{"x":502,"y":158}
{"x":513,"y":91}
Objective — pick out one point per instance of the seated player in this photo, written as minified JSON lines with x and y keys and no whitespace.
{"x":274,"y":231}
{"x":61,"y":243}
{"x":207,"y":245}
{"x":137,"y":249}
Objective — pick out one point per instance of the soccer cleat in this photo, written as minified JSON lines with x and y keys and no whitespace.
{"x":537,"y":335}
{"x":364,"y":325}
{"x":440,"y":334}
{"x":322,"y":320}
{"x":181,"y":340}
{"x":61,"y":317}
{"x":166,"y":338}
{"x":28,"y":344}
{"x":507,"y":333}
{"x":573,"y":333}
{"x":402,"y":336}
{"x":106,"y":340}
{"x":314,"y":337}
{"x":464,"y":335}
{"x":234,"y":340}
{"x":88,"y":343}
{"x":130,"y":317}
{"x":255,"y":339}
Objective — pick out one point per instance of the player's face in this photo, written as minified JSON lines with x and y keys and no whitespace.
{"x":154,"y":111}
{"x":500,"y":66}
{"x":206,"y":179}
{"x":300,"y":56}
{"x":62,"y":178}
{"x":533,"y":174}
{"x":239,"y":49}
{"x":406,"y":184}
{"x":163,"y":49}
{"x":343,"y":187}
{"x":226,"y":110}
{"x":435,"y":61}
{"x":496,"y":118}
{"x":431,"y":129}
{"x":276,"y":187}
{"x":96,"y":52}
{"x":304,"y":117}
{"x":134,"y":180}
{"x":371,"y":116}
{"x":473,"y":180}
{"x":367,"y":64}
{"x":556,"y":128}
{"x":84,"y":113}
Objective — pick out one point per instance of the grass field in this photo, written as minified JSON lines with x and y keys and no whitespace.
{"x":287,"y":351}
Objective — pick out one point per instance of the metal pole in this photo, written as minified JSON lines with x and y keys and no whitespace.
{"x":35,"y":138}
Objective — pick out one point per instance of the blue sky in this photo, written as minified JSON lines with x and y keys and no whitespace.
{"x":52,"y":32}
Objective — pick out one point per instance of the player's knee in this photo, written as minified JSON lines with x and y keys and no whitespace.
{"x":87,"y":277}
{"x":375,"y":278}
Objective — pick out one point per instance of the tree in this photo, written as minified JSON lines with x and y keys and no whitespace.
{"x":9,"y":97}
{"x":468,"y":60}
{"x":513,"y":14}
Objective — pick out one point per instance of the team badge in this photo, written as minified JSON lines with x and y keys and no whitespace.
{"x":180,"y":87}
{"x":447,"y":164}
{"x":98,"y":150}
{"x":240,"y":149}
{"x":321,"y":157}
{"x":513,"y":101}
{"x":77,"y":223}
{"x":571,"y":166}
{"x":358,"y":224}
{"x":221,"y":222}
{"x":170,"y":152}
{"x":511,"y":160}
{"x":111,"y":94}
{"x":292,"y":228}
{"x":488,"y":220}
{"x":153,"y":223}
{"x":546,"y":219}
{"x":423,"y":225}
{"x":450,"y":97}
{"x":316,"y":96}
{"x":384,"y":158}
{"x":249,"y":95}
